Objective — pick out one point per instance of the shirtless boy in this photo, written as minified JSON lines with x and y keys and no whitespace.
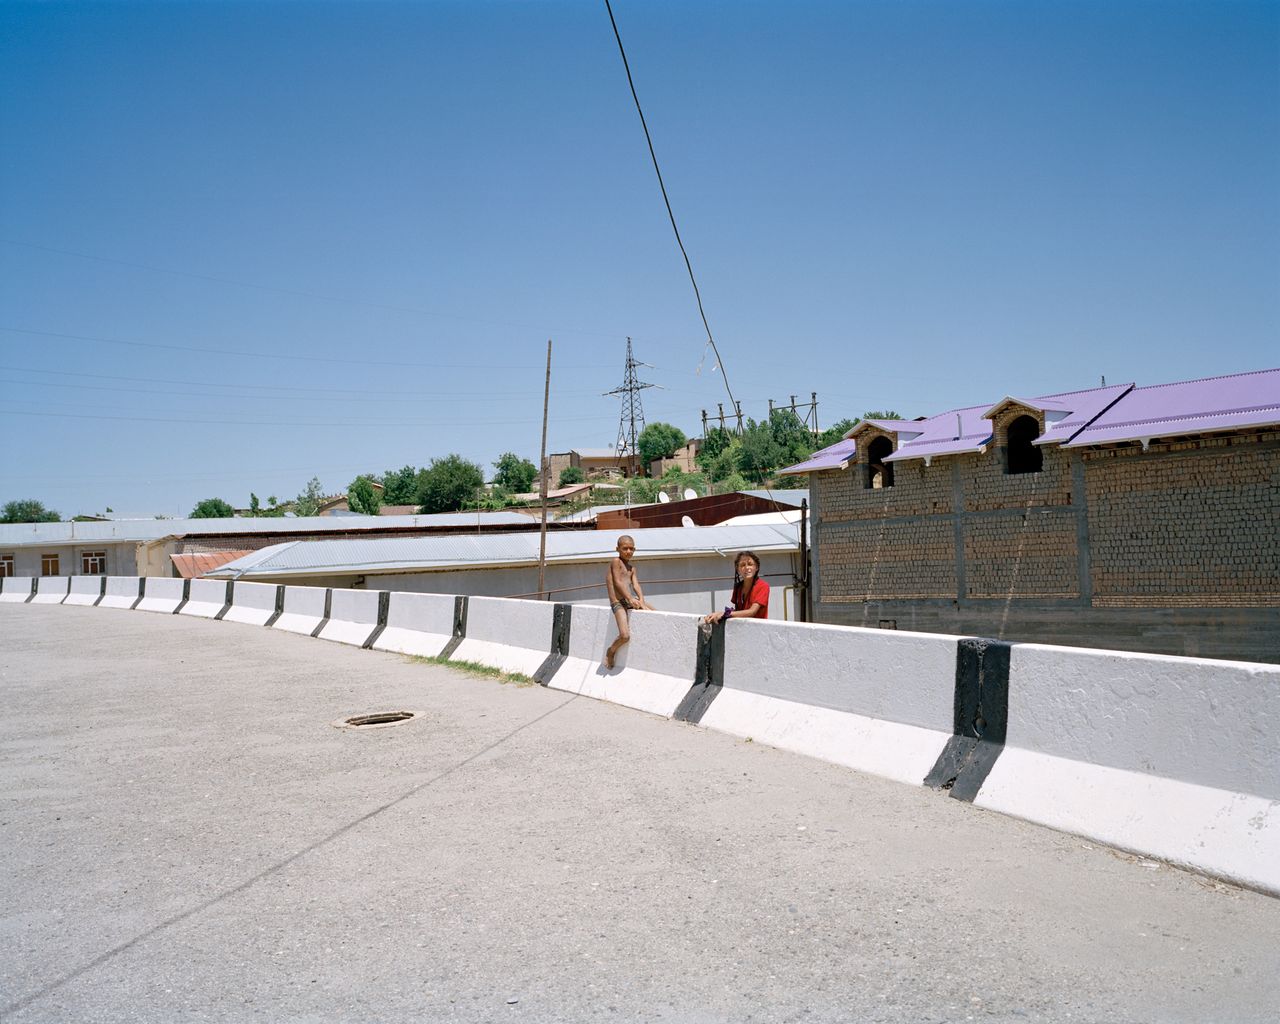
{"x":624,"y":594}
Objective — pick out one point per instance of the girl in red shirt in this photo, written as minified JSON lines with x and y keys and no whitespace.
{"x":750,"y":592}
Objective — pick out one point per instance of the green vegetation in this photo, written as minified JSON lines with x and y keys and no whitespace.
{"x":27,"y":510}
{"x":448,"y":484}
{"x":362,"y":497}
{"x":308,"y":502}
{"x":212,"y":508}
{"x":659,"y":441}
{"x":400,"y":486}
{"x":474,"y":668}
{"x":571,"y":475}
{"x":515,"y":475}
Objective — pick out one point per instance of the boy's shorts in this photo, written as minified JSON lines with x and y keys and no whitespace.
{"x":619,"y":604}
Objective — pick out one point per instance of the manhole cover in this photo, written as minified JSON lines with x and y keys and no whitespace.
{"x":375,"y":720}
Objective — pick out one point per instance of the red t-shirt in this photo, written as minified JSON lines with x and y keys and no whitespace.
{"x":759,"y":595}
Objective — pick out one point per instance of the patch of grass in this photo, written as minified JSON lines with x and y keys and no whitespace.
{"x":474,"y":668}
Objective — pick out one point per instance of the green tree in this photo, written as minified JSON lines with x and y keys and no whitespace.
{"x":308,"y":502}
{"x":890,"y":415}
{"x":761,"y":453}
{"x":716,"y":441}
{"x":835,"y":433}
{"x":27,"y":510}
{"x":515,"y":475}
{"x":571,"y":475}
{"x":448,"y":484}
{"x":212,"y":508}
{"x":735,"y":481}
{"x":659,"y":441}
{"x":363,"y":497}
{"x":400,"y":486}
{"x":726,"y":462}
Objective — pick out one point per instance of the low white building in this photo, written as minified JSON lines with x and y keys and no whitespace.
{"x":680,"y":569}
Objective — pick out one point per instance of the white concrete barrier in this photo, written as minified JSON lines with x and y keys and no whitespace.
{"x":653,"y":672}
{"x":205,"y":599}
{"x":419,"y":624}
{"x":162,"y":594}
{"x":85,"y":590}
{"x":353,"y":616}
{"x":1176,"y":758}
{"x":252,"y":603}
{"x":122,"y":592}
{"x":507,"y":634}
{"x":51,"y":589}
{"x":876,"y":700}
{"x":16,"y":590}
{"x":303,"y":610}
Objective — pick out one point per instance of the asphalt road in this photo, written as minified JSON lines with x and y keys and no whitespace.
{"x":187,"y":837}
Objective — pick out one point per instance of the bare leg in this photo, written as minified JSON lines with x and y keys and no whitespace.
{"x":624,"y":635}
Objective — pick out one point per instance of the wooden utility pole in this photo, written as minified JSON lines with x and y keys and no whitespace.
{"x":545,"y":471}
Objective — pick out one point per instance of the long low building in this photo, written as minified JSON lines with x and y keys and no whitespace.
{"x":146,"y":547}
{"x":680,"y":569}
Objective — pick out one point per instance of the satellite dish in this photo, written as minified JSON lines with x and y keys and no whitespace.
{"x":686,"y":521}
{"x":690,"y":494}
{"x":664,"y":497}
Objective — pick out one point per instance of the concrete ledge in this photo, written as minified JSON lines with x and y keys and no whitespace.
{"x":52,"y":589}
{"x":514,"y":636}
{"x":353,"y":616}
{"x":205,"y":599}
{"x":654,"y":671}
{"x":122,"y":592}
{"x":252,"y":603}
{"x":420,"y":624}
{"x":304,"y":610}
{"x":162,"y":595}
{"x":85,"y":590}
{"x":16,"y":589}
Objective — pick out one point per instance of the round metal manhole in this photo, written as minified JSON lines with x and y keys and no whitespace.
{"x":377,"y":720}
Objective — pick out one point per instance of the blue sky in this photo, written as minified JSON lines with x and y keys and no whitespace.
{"x":336,"y":237}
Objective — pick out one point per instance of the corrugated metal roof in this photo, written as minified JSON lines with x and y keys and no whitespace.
{"x":30,"y":534}
{"x":835,"y":456}
{"x":461,"y":551}
{"x":788,"y":496}
{"x":1233,"y":402}
{"x":197,"y":563}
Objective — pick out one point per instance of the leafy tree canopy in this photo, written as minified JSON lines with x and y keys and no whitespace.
{"x":363,"y":497}
{"x":571,"y":475}
{"x":761,"y":453}
{"x":27,"y":510}
{"x":448,"y":484}
{"x":400,"y":486}
{"x":659,"y":441}
{"x":716,"y":441}
{"x":515,"y":474}
{"x":726,"y":462}
{"x":835,"y":433}
{"x":890,"y":415}
{"x":212,"y":508}
{"x":308,"y":502}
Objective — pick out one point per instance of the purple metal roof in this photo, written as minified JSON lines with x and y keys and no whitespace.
{"x":948,"y":433}
{"x":832,"y":457}
{"x":1082,"y":407}
{"x":1188,"y":407}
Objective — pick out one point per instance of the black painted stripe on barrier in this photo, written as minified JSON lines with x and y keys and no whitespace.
{"x":328,"y":607}
{"x":68,"y":593}
{"x":561,"y":621}
{"x":142,"y":592}
{"x":981,"y":718}
{"x":226,"y":605}
{"x":102,"y":592}
{"x":459,"y":626}
{"x":33,"y":591}
{"x":279,"y":606}
{"x":708,"y":678}
{"x":384,"y":609}
{"x":186,"y":596}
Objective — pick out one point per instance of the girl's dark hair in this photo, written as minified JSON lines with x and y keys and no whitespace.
{"x":739,"y":598}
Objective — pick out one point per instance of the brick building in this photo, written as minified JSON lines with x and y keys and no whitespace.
{"x":1122,"y":517}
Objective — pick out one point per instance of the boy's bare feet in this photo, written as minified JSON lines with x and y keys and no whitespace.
{"x":608,"y":659}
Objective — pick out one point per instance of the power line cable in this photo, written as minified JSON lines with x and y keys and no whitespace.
{"x":671,"y":215}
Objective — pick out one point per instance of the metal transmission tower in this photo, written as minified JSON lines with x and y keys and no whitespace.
{"x":631,"y":422}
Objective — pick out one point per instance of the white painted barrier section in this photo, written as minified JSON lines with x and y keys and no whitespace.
{"x":1172,"y":757}
{"x":303,"y":610}
{"x":205,"y":599}
{"x":122,"y":592}
{"x":419,"y":624}
{"x":507,"y":634}
{"x":16,"y":590}
{"x":85,"y":590}
{"x":653,"y":672}
{"x":353,"y":616}
{"x":875,"y":700}
{"x":163,"y":594}
{"x":51,"y":589}
{"x":252,"y":603}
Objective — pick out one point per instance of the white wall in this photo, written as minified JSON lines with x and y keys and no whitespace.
{"x":121,"y":558}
